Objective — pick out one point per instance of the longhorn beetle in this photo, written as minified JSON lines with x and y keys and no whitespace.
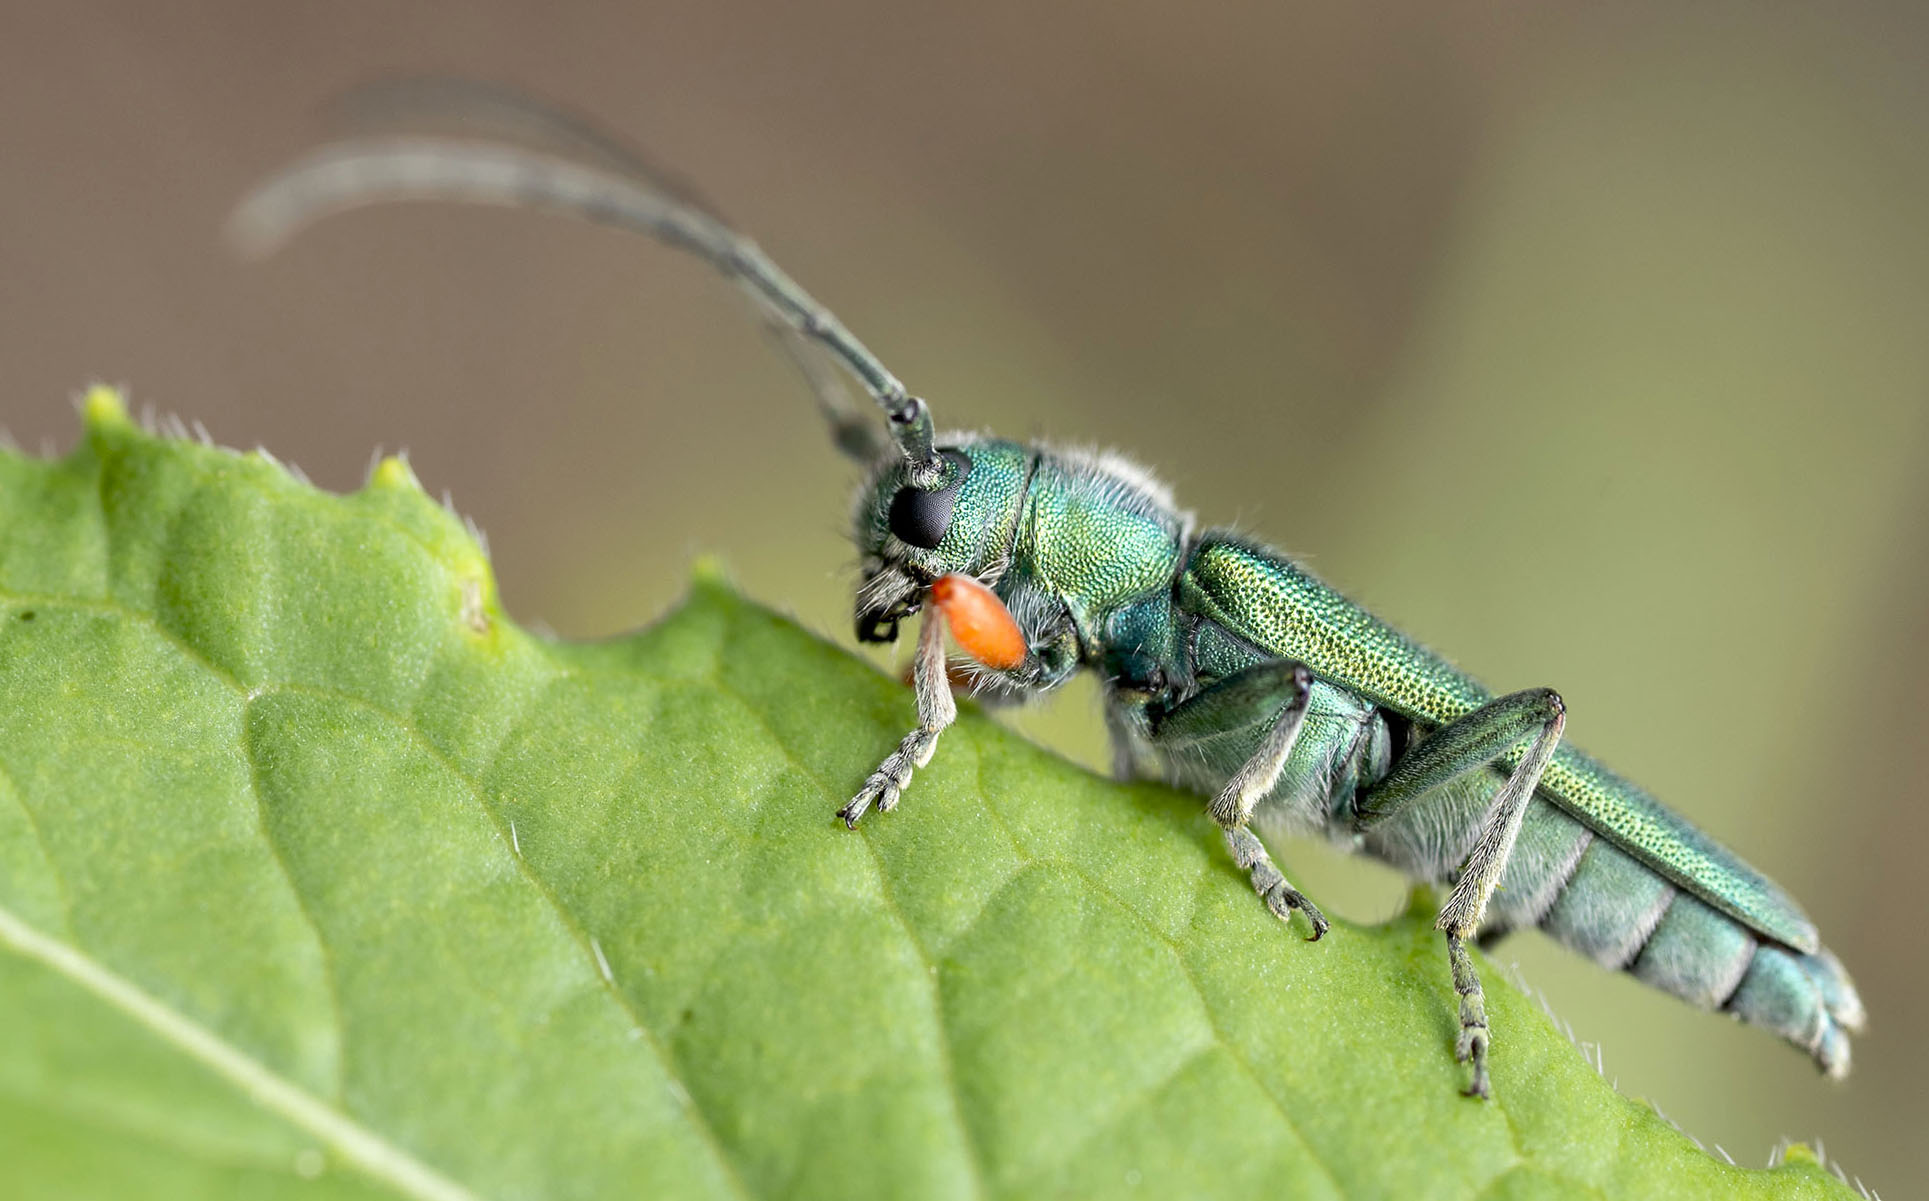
{"x":1227,"y":667}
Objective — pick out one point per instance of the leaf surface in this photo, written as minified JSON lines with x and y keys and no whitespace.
{"x":319,"y":877}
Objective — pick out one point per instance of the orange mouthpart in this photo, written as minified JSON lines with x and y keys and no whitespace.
{"x":979,"y":621}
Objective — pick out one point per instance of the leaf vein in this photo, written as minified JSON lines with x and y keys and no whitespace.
{"x":59,"y":877}
{"x":125,"y":1125}
{"x":1185,"y":966}
{"x":355,"y":1143}
{"x":330,"y":973}
{"x":946,"y":1061}
{"x":578,"y":933}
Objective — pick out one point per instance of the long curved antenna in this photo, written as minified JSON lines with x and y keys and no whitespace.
{"x":621,"y":190}
{"x":478,"y":110}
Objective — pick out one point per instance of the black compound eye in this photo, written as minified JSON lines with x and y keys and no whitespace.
{"x":921,"y":518}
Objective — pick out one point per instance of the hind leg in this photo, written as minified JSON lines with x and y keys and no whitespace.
{"x":1473,"y":742}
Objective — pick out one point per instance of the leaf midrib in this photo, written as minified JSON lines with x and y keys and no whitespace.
{"x":355,"y":1143}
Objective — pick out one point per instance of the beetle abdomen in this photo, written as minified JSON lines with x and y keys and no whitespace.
{"x":1590,"y":895}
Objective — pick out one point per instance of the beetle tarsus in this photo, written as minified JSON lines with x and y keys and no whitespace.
{"x":1471,"y":1046}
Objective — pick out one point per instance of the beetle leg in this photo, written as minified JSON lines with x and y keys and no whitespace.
{"x":936,"y":710}
{"x":1475,"y":741}
{"x":1270,"y":883}
{"x":1119,"y":731}
{"x":1472,"y":742}
{"x":1227,"y":705}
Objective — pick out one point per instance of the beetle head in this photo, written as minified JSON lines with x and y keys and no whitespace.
{"x":907,"y":537}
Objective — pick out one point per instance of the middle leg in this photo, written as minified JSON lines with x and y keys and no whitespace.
{"x":1274,"y":693}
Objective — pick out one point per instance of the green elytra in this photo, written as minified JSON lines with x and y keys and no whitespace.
{"x":1227,"y":668}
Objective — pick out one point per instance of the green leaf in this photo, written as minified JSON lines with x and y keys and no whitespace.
{"x":319,"y":877}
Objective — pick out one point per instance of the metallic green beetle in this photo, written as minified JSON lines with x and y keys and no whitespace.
{"x":1228,"y":668}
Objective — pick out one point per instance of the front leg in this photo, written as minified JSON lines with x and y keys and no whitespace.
{"x":1276,"y":693}
{"x":936,"y":710}
{"x":1474,"y":742}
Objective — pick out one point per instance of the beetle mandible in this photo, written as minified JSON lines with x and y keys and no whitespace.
{"x":1227,"y":668}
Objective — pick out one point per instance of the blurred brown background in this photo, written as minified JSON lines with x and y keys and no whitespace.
{"x":1588,"y":346}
